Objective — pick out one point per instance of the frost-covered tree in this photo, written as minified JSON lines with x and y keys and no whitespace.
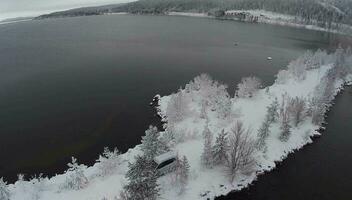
{"x":109,"y":161}
{"x":211,"y":94}
{"x":272,"y":111}
{"x":264,"y":130}
{"x":4,"y":191}
{"x":263,"y":133}
{"x":285,"y":126}
{"x":220,"y":148}
{"x":248,"y":87}
{"x":76,"y":179}
{"x":184,"y":175}
{"x":203,"y":110}
{"x":241,"y":151}
{"x":182,"y":169}
{"x":297,"y":109}
{"x":177,"y":107}
{"x":142,"y":180}
{"x":206,"y":157}
{"x":151,"y":144}
{"x":223,"y":105}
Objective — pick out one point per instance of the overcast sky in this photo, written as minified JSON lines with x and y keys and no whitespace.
{"x":19,"y":8}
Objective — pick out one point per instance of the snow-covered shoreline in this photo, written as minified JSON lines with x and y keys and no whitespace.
{"x":204,"y":182}
{"x":266,"y":17}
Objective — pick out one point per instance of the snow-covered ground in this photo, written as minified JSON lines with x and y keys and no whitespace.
{"x":205,"y":182}
{"x":188,"y":14}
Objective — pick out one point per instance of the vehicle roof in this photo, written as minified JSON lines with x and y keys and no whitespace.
{"x":165,"y":156}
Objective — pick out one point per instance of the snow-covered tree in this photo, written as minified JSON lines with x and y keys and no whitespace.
{"x":248,"y":87}
{"x":184,"y":173}
{"x":316,"y":110}
{"x":177,"y":107}
{"x":181,"y":173}
{"x":4,"y":191}
{"x":285,"y":126}
{"x":263,"y":133}
{"x":76,"y":179}
{"x":142,"y":180}
{"x":151,"y":145}
{"x":241,"y":151}
{"x":212,"y":94}
{"x":203,"y":110}
{"x":223,"y":105}
{"x":264,"y":130}
{"x":297,"y":109}
{"x":109,"y":161}
{"x":272,"y":111}
{"x":206,"y":157}
{"x":220,"y":148}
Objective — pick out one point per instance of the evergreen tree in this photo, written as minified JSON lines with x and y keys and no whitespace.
{"x":142,"y":178}
{"x":4,"y":191}
{"x":285,"y":127}
{"x":263,"y":133}
{"x":206,"y":158}
{"x":219,"y":150}
{"x":184,"y":174}
{"x":273,"y":111}
{"x":151,"y":145}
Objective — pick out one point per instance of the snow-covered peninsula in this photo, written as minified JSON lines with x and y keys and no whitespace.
{"x":222,"y":142}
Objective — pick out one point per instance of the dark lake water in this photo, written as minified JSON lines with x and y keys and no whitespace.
{"x":73,"y":86}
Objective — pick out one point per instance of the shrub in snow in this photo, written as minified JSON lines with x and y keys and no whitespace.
{"x":206,"y":157}
{"x":142,"y":180}
{"x":109,"y":161}
{"x":4,"y":191}
{"x":219,"y":150}
{"x":240,"y":156}
{"x":282,"y":76}
{"x":177,"y":107}
{"x":151,"y":144}
{"x":76,"y":179}
{"x":248,"y":87}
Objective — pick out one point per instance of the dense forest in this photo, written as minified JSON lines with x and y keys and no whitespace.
{"x":318,"y":12}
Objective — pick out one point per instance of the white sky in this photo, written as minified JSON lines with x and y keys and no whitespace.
{"x":24,"y":8}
